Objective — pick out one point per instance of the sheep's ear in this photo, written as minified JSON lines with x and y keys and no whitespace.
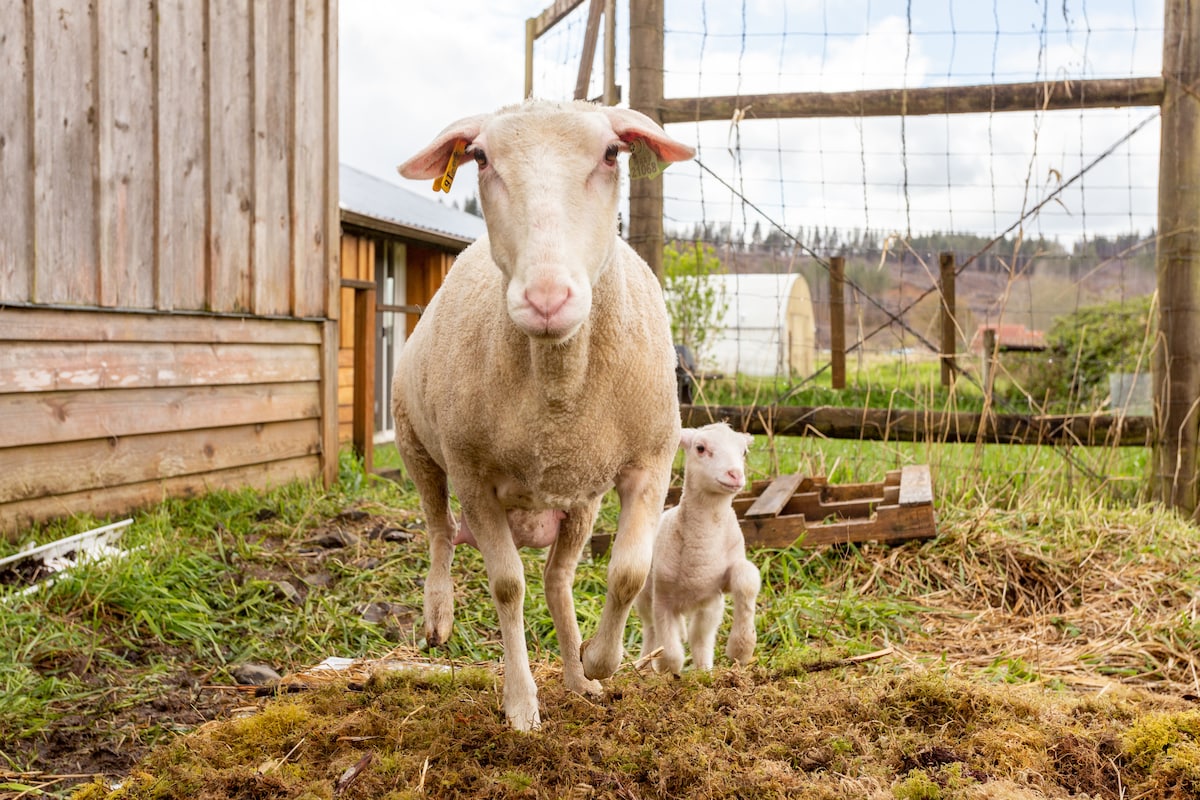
{"x":749,"y":439}
{"x":431,"y":162}
{"x":630,"y":125}
{"x":686,"y":437}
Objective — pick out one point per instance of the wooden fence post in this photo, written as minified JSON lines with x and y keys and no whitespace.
{"x":837,"y":322}
{"x":946,"y":262}
{"x":989,"y":364}
{"x":1176,"y":360}
{"x":646,"y":20}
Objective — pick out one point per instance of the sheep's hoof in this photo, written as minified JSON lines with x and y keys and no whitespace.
{"x":597,"y":662}
{"x":587,"y":688}
{"x":524,"y":718}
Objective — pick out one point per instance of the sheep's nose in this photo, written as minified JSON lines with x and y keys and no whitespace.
{"x":735,"y":476}
{"x":547,"y":300}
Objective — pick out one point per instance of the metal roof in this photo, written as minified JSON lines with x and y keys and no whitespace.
{"x":371,"y":202}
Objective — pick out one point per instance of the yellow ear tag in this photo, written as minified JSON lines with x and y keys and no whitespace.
{"x":643,"y":163}
{"x":444,"y":183}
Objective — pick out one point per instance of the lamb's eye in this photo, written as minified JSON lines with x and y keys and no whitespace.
{"x":610,"y":155}
{"x":700,"y":449}
{"x":480,"y":157}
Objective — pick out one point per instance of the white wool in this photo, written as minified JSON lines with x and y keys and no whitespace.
{"x":540,"y":376}
{"x":700,"y":556}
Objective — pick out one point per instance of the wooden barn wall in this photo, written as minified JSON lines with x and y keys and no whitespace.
{"x":168,"y":293}
{"x":154,"y":172}
{"x":131,"y":408}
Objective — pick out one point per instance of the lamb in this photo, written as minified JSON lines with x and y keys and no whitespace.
{"x":700,"y":556}
{"x":541,"y":375}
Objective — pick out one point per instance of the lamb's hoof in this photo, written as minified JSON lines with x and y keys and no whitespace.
{"x":438,"y":635}
{"x":587,"y":688}
{"x":599,"y":662}
{"x":524,"y":718}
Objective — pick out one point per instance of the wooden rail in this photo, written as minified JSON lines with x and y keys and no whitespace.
{"x":904,"y":425}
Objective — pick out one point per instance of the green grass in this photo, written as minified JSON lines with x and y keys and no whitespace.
{"x":197,"y":592}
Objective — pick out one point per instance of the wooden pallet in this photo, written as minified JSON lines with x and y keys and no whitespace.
{"x":810,"y":512}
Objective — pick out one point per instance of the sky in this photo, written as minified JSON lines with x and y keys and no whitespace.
{"x":407,"y":69}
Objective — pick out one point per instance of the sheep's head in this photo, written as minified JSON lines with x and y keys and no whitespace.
{"x":715,"y":458}
{"x":548,"y":184}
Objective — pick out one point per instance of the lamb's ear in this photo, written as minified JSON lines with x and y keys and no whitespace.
{"x":630,"y":125}
{"x":686,"y":437}
{"x":431,"y":161}
{"x":749,"y":439}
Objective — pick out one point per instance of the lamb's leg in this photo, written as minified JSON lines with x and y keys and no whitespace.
{"x":559,"y":575}
{"x":506,"y":579}
{"x":645,"y":608}
{"x":744,"y":583}
{"x":432,"y":486}
{"x":702,"y":631}
{"x":668,"y":631}
{"x":641,"y":491}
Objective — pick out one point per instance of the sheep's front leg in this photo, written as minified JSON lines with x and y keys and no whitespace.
{"x":645,"y":607}
{"x":506,"y":579}
{"x":559,"y":575}
{"x":430,"y":480}
{"x":641,"y":491}
{"x":744,"y":584}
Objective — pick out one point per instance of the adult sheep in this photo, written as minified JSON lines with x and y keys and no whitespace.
{"x":541,"y":375}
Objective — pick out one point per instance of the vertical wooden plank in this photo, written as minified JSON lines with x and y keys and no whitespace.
{"x":64,"y":128}
{"x":349,"y":261}
{"x":364,"y":376}
{"x":645,"y":95}
{"x":310,"y":160}
{"x":126,"y":127}
{"x":590,"y":34}
{"x":182,"y":210}
{"x":231,"y":174}
{"x":333,"y":225}
{"x":946,"y":264}
{"x":272,"y":101}
{"x":1176,"y":364}
{"x":837,"y":322}
{"x":16,"y":200}
{"x":329,"y":402}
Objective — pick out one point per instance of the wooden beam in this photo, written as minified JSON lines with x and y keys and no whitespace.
{"x":646,"y":95}
{"x":1176,"y":357}
{"x":1039,"y":96}
{"x":947,"y":269}
{"x":904,"y":425}
{"x":588,"y":56}
{"x":364,"y":375}
{"x":837,"y":322}
{"x":551,"y":16}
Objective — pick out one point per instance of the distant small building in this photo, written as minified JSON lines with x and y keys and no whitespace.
{"x":404,"y":243}
{"x":1010,"y":338}
{"x":768,"y":328}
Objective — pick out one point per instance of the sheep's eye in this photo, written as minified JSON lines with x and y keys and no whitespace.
{"x":480,"y":157}
{"x":700,"y":449}
{"x":610,"y":155}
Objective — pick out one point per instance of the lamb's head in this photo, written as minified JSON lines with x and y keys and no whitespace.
{"x":549,"y":187}
{"x":715,"y":458}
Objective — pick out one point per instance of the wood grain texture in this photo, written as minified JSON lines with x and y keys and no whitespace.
{"x":57,"y":325}
{"x":126,"y":199}
{"x":16,"y":173}
{"x":36,"y":367}
{"x":48,"y":417}
{"x":312,"y":194}
{"x":66,"y":267}
{"x":42,"y":470}
{"x":230,"y":156}
{"x":181,"y":270}
{"x":129,"y":497}
{"x":272,"y":99}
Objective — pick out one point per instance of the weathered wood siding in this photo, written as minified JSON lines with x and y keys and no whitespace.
{"x":168,"y":287}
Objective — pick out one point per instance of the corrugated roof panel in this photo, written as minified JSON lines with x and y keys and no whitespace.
{"x":374,"y":197}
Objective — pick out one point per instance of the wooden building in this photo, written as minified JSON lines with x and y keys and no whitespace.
{"x":168,"y":268}
{"x":402,"y":244}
